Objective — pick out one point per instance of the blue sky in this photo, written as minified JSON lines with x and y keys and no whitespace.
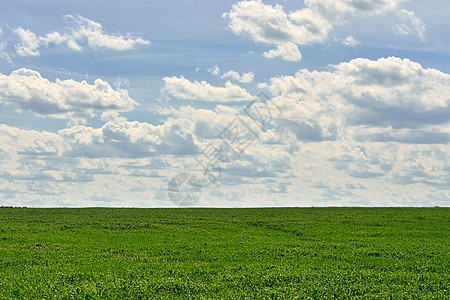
{"x":104,"y":103}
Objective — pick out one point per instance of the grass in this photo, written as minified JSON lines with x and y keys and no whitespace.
{"x":268,"y":253}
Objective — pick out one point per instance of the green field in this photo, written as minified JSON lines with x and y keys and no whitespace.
{"x":276,"y":253}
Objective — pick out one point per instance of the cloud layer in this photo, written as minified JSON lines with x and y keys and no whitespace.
{"x":361,"y":132}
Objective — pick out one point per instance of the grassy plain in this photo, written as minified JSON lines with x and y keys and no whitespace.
{"x":267,"y":253}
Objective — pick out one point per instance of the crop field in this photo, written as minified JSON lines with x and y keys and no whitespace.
{"x":265,"y":253}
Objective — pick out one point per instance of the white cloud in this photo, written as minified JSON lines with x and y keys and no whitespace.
{"x":272,"y":25}
{"x":214,"y":70}
{"x":181,"y":88}
{"x":412,"y":25}
{"x":396,"y":83}
{"x":114,"y":139}
{"x":373,"y":174}
{"x":313,"y":28}
{"x":233,"y":75}
{"x":288,"y":51}
{"x":299,"y":154}
{"x":386,"y":83}
{"x":378,"y":123}
{"x":63,"y":99}
{"x":121,"y":82}
{"x":3,"y":53}
{"x":131,"y":139}
{"x":112,"y":116}
{"x":350,"y":41}
{"x":338,"y":11}
{"x":18,"y":141}
{"x":93,"y":33}
{"x":386,"y":100}
{"x":365,"y":132}
{"x":244,"y":77}
{"x":82,"y":165}
{"x":82,"y":31}
{"x":29,"y":42}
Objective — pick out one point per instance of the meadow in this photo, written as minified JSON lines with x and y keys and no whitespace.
{"x":206,"y":253}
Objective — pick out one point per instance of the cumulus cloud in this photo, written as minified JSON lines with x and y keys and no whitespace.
{"x":350,"y":41}
{"x":3,"y":53}
{"x":45,"y":165}
{"x":114,"y":139}
{"x":269,"y":24}
{"x":131,"y":139}
{"x":82,"y":31}
{"x":315,"y":148}
{"x":244,"y":77}
{"x":181,"y":88}
{"x":31,"y":142}
{"x":29,"y":42}
{"x":288,"y":51}
{"x":392,"y":172}
{"x":412,"y":24}
{"x":395,"y":83}
{"x":233,"y":75}
{"x":385,"y":100}
{"x":214,"y":70}
{"x":62,"y":99}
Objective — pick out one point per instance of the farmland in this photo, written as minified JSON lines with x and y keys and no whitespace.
{"x":284,"y":253}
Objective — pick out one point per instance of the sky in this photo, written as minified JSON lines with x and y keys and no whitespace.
{"x":224,"y":103}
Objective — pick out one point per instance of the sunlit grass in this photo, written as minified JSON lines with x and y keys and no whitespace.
{"x":225,"y":253}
